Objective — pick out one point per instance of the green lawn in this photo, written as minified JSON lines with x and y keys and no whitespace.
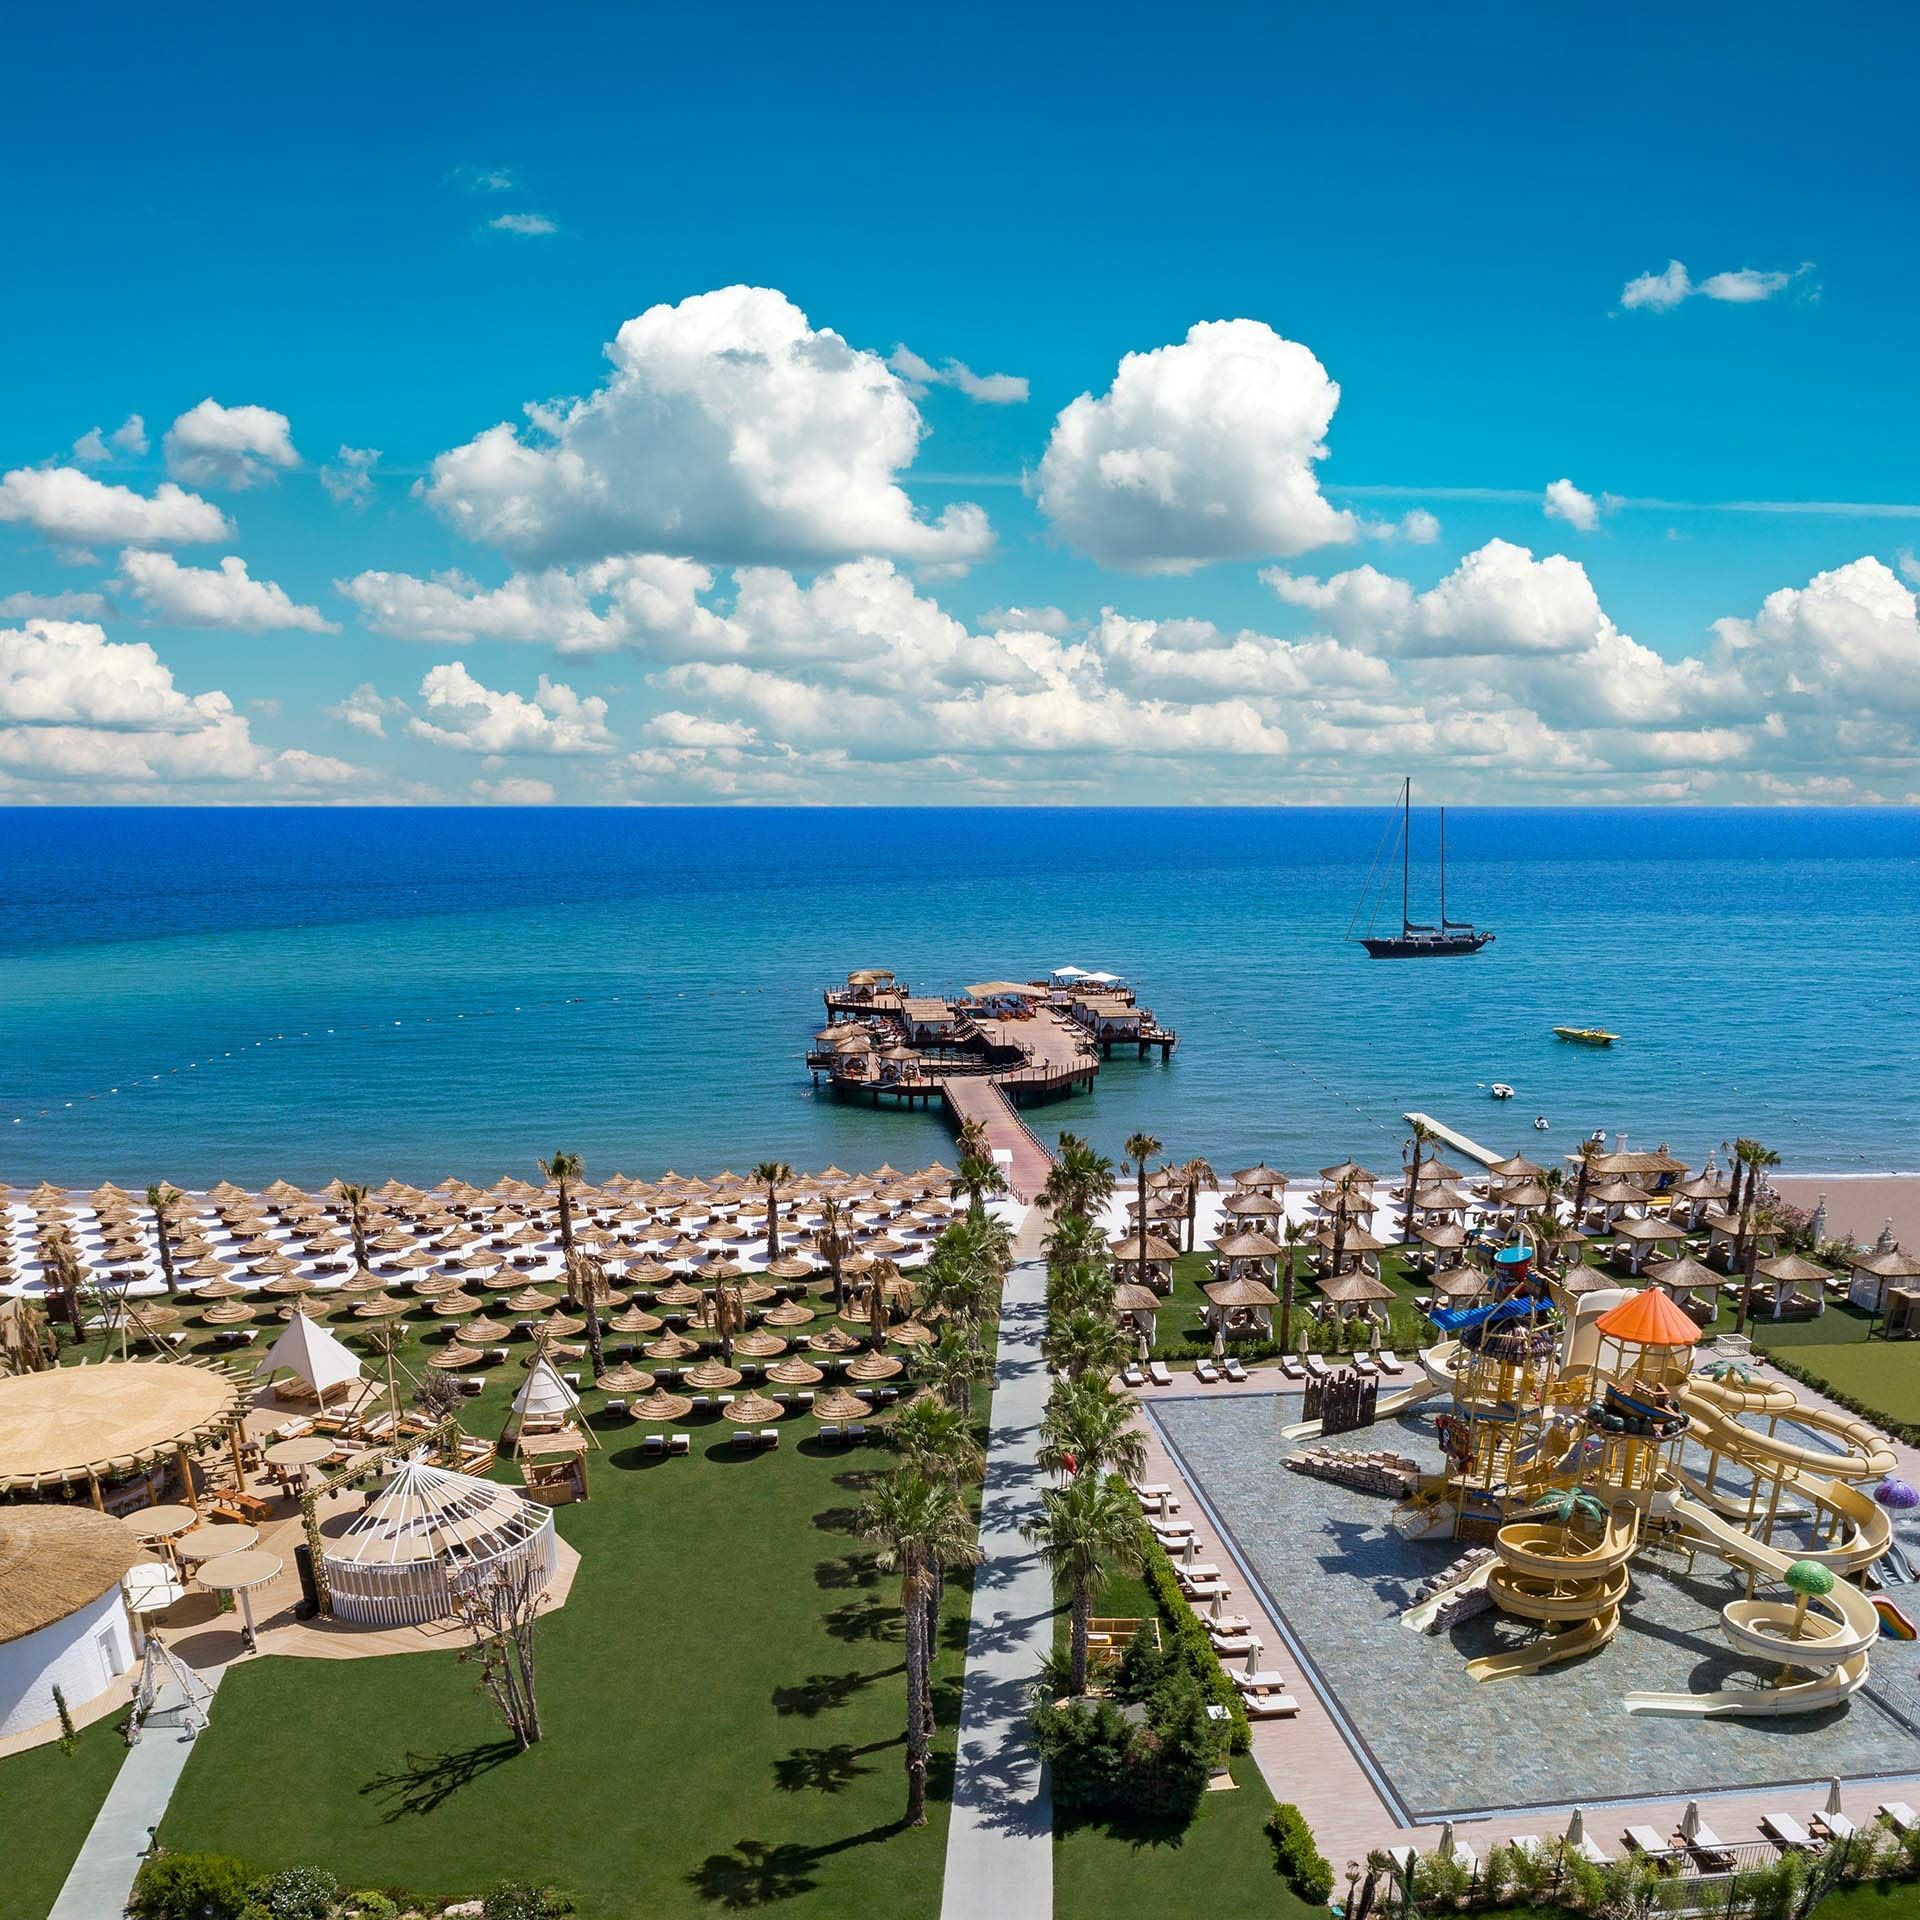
{"x":48,"y":1800}
{"x":1220,"y":1866}
{"x":1882,"y":1374}
{"x":723,"y":1700}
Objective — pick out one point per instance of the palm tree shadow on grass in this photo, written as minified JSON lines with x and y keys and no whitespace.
{"x":826,"y":1769}
{"x":757,"y":1874}
{"x":425,"y":1782}
{"x":823,"y":1692}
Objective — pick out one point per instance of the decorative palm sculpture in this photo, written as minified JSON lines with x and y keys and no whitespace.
{"x":1809,"y":1581}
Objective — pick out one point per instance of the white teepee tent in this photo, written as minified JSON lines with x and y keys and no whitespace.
{"x":544,"y":1396}
{"x":307,"y":1350}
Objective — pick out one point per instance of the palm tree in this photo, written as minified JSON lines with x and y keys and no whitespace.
{"x":957,"y":1361}
{"x":1760,"y":1220}
{"x":833,"y":1238}
{"x":354,"y":1199}
{"x":1422,"y":1133}
{"x":986,"y":1240}
{"x":563,"y":1170}
{"x":1293,"y":1232}
{"x":917,"y":1522}
{"x":1087,"y":1530}
{"x":1086,"y":1286}
{"x":1589,"y":1152}
{"x":956,"y":1287}
{"x":1073,"y":1240}
{"x":1140,"y":1148}
{"x":1195,"y":1174}
{"x":975,"y":1139}
{"x":978,"y":1178}
{"x":1092,"y":1426}
{"x":1753,"y":1156}
{"x":1082,"y":1343}
{"x":934,"y":1438}
{"x":1080,"y":1180}
{"x":62,"y":1261}
{"x":774,"y":1174}
{"x":163,"y":1199}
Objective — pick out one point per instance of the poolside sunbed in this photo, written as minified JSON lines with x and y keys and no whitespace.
{"x":1389,"y":1362}
{"x":1528,"y":1844}
{"x":1291,"y":1367}
{"x":1234,"y":1370}
{"x":1132,"y":1377}
{"x":1270,"y":1706}
{"x":1898,"y":1815}
{"x":1267,"y":1680}
{"x":1593,"y":1852}
{"x":1234,"y":1646}
{"x":1831,"y":1826}
{"x":1315,"y":1365}
{"x":1647,"y":1841}
{"x":1207,"y":1589}
{"x":1157,"y":1372}
{"x":1207,"y":1371}
{"x":1363,"y":1363}
{"x":1787,"y":1833}
{"x":1710,"y":1853}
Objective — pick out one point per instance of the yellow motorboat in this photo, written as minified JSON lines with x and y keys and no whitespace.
{"x":1586,"y":1036}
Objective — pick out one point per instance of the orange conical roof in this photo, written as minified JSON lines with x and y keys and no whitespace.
{"x":1648,"y":1319}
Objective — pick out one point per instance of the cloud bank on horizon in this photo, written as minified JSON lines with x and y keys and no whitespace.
{"x":716,"y":575}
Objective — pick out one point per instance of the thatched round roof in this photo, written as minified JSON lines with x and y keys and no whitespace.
{"x":56,"y":1560}
{"x":1243,"y":1292}
{"x":109,"y":1418}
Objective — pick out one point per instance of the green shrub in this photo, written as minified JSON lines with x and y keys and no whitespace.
{"x":294,"y":1893}
{"x":371,"y":1904}
{"x":1084,"y":1743}
{"x":190,"y":1886}
{"x":1193,"y":1647}
{"x":1143,"y":1666}
{"x":1305,"y":1867}
{"x":521,"y":1900}
{"x":1170,"y":1764}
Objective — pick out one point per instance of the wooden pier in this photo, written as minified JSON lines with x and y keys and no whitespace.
{"x":999,"y":1046}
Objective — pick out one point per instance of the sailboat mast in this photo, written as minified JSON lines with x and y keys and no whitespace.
{"x":1406,"y":846}
{"x":1443,"y":869}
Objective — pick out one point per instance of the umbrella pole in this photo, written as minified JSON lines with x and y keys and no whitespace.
{"x":186,"y":1475}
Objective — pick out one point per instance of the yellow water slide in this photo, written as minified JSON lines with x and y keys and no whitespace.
{"x":1833,"y":1640}
{"x":1573,"y":1586}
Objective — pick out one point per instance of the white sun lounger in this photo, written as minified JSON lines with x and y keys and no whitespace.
{"x":1291,"y":1367}
{"x":1464,"y":1856}
{"x":1363,"y":1363}
{"x":1133,"y":1377}
{"x":1646,"y":1840}
{"x":1207,"y":1589}
{"x":1389,"y":1362}
{"x":1315,"y":1365}
{"x":1158,"y":1374}
{"x":1233,"y":1646}
{"x":1832,"y":1826}
{"x":1526,"y":1843}
{"x":1785,"y":1831}
{"x":1270,"y":1706}
{"x":1708,"y":1849}
{"x":1196,"y":1573}
{"x":1593,"y":1852}
{"x":1234,"y":1370}
{"x":1148,"y":1491}
{"x":1207,"y":1371}
{"x":1267,"y":1680}
{"x":1897,"y":1814}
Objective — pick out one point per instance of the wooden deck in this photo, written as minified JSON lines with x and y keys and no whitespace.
{"x":973,"y":1097}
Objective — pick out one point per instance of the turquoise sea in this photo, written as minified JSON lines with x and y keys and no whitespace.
{"x":250,"y":993}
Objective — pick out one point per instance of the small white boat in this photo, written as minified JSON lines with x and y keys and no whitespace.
{"x":1501,"y":1091}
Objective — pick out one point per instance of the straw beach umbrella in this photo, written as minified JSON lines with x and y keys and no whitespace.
{"x":752,"y":1410}
{"x":658,"y":1407}
{"x":840,"y":1405}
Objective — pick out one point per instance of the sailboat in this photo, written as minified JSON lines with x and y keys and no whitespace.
{"x":1416,"y":940}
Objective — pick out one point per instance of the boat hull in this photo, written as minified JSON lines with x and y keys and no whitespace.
{"x":1432,"y":947}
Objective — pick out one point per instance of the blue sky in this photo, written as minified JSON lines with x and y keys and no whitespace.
{"x":295,"y":217}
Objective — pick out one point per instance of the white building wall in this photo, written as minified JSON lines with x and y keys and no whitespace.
{"x":67,"y":1654}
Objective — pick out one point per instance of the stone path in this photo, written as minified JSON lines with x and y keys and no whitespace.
{"x":110,"y":1856}
{"x":1000,"y":1842}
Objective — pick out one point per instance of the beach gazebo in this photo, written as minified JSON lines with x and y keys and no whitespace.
{"x":1354,"y":1292}
{"x":1686,"y":1281}
{"x":1137,"y":1307}
{"x":1793,"y":1281}
{"x":1874,"y":1274}
{"x":1639,"y":1237}
{"x":1240,"y":1306}
{"x":403,"y":1558}
{"x":1155,"y":1270}
{"x":63,"y":1623}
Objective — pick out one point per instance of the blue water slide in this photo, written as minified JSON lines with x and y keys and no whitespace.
{"x":1518,"y":1306}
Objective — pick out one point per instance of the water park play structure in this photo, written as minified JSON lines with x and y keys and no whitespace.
{"x":1579,"y":1435}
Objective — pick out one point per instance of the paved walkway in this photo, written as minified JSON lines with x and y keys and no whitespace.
{"x":1000,"y":1842}
{"x":110,"y":1856}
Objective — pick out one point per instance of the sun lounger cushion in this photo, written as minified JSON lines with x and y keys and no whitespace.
{"x":1270,"y":1706}
{"x":1788,"y":1831}
{"x":1235,"y":1371}
{"x":1207,"y":1371}
{"x":1645,"y":1840}
{"x":1158,"y":1373}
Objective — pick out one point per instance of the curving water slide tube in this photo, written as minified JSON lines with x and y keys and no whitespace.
{"x":1572,"y":1585}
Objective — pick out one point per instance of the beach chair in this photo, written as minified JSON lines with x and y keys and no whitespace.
{"x":653,"y":1446}
{"x":1236,"y":1646}
{"x":1787,"y":1833}
{"x":856,"y":1435}
{"x":1207,"y":1371}
{"x":680,"y":1443}
{"x":1389,"y":1362}
{"x":1898,"y":1815}
{"x":1465,"y":1857}
{"x":1707,"y":1850}
{"x":745,"y":1440}
{"x":1157,"y":1372}
{"x":1270,"y":1706}
{"x":1291,"y":1367}
{"x":769,"y":1436}
{"x":1647,"y":1842}
{"x":1363,"y":1363}
{"x":1267,"y":1680}
{"x":1234,"y":1370}
{"x":1131,"y":1376}
{"x":1528,"y":1844}
{"x":1831,"y":1827}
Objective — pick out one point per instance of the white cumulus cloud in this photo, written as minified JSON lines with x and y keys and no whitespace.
{"x":512,"y":790}
{"x":478,"y":719}
{"x":990,"y":389}
{"x":227,"y":597}
{"x":528,"y":226}
{"x":64,"y":504}
{"x":348,"y":476}
{"x":1198,"y":452}
{"x":1564,"y":501}
{"x":235,"y":447}
{"x":1741,"y":286}
{"x":730,"y":430}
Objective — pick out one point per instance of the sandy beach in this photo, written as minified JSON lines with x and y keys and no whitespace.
{"x":1861,"y":1204}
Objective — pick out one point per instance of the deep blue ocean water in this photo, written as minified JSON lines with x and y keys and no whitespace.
{"x":192,"y":994}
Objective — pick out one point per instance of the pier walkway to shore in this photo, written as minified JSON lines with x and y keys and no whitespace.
{"x":971,"y":1097}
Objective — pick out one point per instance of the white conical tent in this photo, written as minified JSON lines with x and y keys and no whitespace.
{"x":308,"y":1350}
{"x":545,"y":1395}
{"x":427,"y":1527}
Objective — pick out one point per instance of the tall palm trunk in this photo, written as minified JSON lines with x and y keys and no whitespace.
{"x":773,"y":1225}
{"x":164,"y":1241}
{"x":1286,"y":1298}
{"x":1141,"y":1188}
{"x":918,"y":1740}
{"x":1080,"y":1626}
{"x":1413,"y":1183}
{"x":566,"y":1242}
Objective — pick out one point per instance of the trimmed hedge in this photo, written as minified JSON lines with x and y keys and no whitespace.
{"x":1307,"y":1869}
{"x":1191,"y":1638}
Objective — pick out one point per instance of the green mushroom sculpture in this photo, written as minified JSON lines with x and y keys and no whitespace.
{"x":1809,"y":1581}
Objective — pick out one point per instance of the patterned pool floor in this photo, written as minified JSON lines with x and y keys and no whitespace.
{"x":1338,"y":1576}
